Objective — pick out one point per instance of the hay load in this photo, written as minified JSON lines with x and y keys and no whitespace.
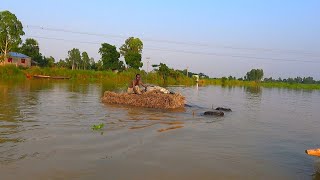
{"x":149,"y":99}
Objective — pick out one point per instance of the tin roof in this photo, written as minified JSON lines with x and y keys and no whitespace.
{"x":18,"y":55}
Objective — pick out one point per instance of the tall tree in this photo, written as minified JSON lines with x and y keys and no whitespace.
{"x":133,"y":60}
{"x":254,"y":75}
{"x":62,"y":64}
{"x":131,"y":50}
{"x":92,"y":64}
{"x":99,"y":65}
{"x":50,"y":61}
{"x":163,"y":70}
{"x":11,"y":31}
{"x":74,"y":57}
{"x":110,"y":57}
{"x":85,"y":60}
{"x":31,"y":48}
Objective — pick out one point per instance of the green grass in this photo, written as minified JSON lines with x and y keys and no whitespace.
{"x":9,"y":72}
{"x":291,"y":85}
{"x":261,"y":84}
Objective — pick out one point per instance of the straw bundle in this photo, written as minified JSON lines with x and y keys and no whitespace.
{"x":152,"y":99}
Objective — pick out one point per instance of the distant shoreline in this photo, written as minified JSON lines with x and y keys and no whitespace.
{"x":122,"y":78}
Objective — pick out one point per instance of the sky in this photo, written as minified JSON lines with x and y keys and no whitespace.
{"x":218,"y":38}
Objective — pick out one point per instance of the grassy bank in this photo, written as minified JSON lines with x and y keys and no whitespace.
{"x":9,"y":72}
{"x":13,"y":72}
{"x":261,"y":84}
{"x":123,"y":78}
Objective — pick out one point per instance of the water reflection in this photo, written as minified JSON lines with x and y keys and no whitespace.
{"x":47,"y":124}
{"x":316,"y":175}
{"x":253,"y":89}
{"x":10,"y":113}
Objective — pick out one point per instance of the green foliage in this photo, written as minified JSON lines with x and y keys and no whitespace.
{"x":97,"y":127}
{"x":99,"y":65}
{"x":131,"y":45}
{"x":254,"y":75}
{"x":231,"y":78}
{"x":50,"y":61}
{"x":11,"y":72}
{"x":11,"y":30}
{"x":30,"y":48}
{"x":74,"y":58}
{"x":164,"y":71}
{"x":133,"y":60}
{"x":298,"y":80}
{"x":170,"y":76}
{"x":85,"y":60}
{"x":223,"y":80}
{"x":92,"y":64}
{"x":131,"y":50}
{"x":62,"y":64}
{"x":110,"y":57}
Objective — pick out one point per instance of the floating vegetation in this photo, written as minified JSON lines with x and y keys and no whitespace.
{"x":152,"y":99}
{"x":97,"y":127}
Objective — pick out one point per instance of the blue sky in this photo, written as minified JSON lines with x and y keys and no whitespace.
{"x":218,"y":38}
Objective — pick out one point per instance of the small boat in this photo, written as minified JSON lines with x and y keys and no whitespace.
{"x":59,"y":77}
{"x":41,"y":76}
{"x":313,"y":152}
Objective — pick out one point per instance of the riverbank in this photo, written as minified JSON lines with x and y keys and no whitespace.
{"x":122,"y":78}
{"x":262,"y":84}
{"x":14,"y":73}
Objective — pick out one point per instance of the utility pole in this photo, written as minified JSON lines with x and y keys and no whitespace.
{"x":187,"y":71}
{"x":148,"y":64}
{"x":147,"y":68}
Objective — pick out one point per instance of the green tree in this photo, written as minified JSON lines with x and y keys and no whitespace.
{"x":50,"y":61}
{"x":231,"y":78}
{"x":163,"y":70}
{"x":223,"y":80}
{"x":85,"y":60}
{"x":62,"y":64}
{"x":133,"y":60}
{"x":11,"y":30}
{"x":110,"y":57}
{"x":74,"y":57}
{"x":298,"y":79}
{"x":31,"y":48}
{"x":92,"y":64}
{"x":308,"y":80}
{"x":131,"y":45}
{"x":99,"y":65}
{"x":254,"y":75}
{"x":132,"y":50}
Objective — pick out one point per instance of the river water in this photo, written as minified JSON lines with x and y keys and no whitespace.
{"x":45,"y":133}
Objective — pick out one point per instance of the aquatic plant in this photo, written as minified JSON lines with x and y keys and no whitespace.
{"x":97,"y":127}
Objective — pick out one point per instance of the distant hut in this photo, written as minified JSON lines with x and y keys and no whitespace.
{"x":18,"y":59}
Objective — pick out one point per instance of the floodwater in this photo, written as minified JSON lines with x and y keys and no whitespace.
{"x":45,"y":133}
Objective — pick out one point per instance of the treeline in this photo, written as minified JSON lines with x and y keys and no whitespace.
{"x":253,"y":75}
{"x":165,"y":72}
{"x":11,"y":30}
{"x":257,"y":76}
{"x":304,"y":80}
